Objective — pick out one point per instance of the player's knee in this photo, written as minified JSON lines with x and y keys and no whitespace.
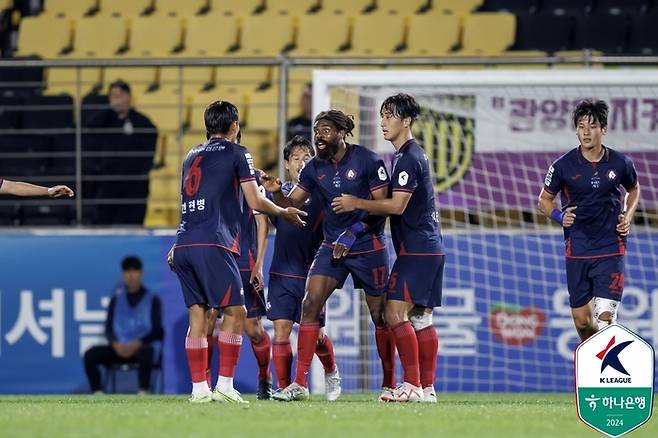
{"x":421,"y":321}
{"x":582,"y":322}
{"x":605,"y":311}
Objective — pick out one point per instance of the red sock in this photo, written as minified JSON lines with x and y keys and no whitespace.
{"x":212,"y":341}
{"x":282,"y":358}
{"x":405,"y":340}
{"x":229,"y":352}
{"x":306,"y":341}
{"x":428,"y":350}
{"x":386,"y":349}
{"x":196,"y":350}
{"x":262,"y":353}
{"x":325,"y":352}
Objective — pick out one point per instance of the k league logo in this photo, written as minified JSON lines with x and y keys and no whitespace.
{"x":614,"y":380}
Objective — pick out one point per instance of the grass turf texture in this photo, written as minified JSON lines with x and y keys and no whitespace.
{"x":457,"y":415}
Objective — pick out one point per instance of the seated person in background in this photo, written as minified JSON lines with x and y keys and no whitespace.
{"x":18,"y":188}
{"x":303,"y":124}
{"x":115,"y":132}
{"x":133,"y":329}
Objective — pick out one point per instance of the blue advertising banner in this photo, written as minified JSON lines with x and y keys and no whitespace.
{"x":505,"y":324}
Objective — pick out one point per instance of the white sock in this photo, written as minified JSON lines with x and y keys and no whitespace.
{"x":200,"y":388}
{"x":225,"y":384}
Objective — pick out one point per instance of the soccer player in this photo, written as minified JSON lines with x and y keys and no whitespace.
{"x":595,"y":217}
{"x":253,"y":244}
{"x":294,"y":249}
{"x":350,"y":245}
{"x":415,"y":284}
{"x":18,"y":188}
{"x":215,"y":176}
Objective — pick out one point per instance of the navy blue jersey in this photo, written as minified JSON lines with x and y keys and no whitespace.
{"x":358,"y":173}
{"x":295,"y":247}
{"x":417,"y":230}
{"x":594,"y":188}
{"x":211,"y":209}
{"x":248,"y":235}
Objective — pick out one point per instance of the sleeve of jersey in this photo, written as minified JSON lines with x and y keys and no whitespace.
{"x":630,"y":176}
{"x":244,"y":166}
{"x":553,"y":181}
{"x":307,"y":178}
{"x":377,"y":175}
{"x":405,"y":176}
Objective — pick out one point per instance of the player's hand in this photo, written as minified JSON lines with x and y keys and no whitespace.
{"x":270,"y":183}
{"x":293,"y":214}
{"x":343,"y":244}
{"x":57,"y":191}
{"x":256,"y":279}
{"x":344,"y":203}
{"x":170,"y":259}
{"x":569,"y":217}
{"x":623,"y":225}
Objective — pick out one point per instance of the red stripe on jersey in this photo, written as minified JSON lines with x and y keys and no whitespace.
{"x":303,"y":188}
{"x":279,"y":274}
{"x":403,"y":190}
{"x":547,"y":190}
{"x":376,"y":243}
{"x":189,"y":245}
{"x":227,"y":297}
{"x":249,"y":178}
{"x":407,"y":295}
{"x":372,"y":189}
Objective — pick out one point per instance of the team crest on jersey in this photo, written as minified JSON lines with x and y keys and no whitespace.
{"x":350,"y":174}
{"x":612,"y":175}
{"x":381,"y":172}
{"x":403,"y":178}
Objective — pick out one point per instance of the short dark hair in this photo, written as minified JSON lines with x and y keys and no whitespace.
{"x":131,"y":263}
{"x":401,"y":106}
{"x":121,"y":84}
{"x":339,"y":119}
{"x":298,"y":141}
{"x":597,"y":110}
{"x":219,"y":116}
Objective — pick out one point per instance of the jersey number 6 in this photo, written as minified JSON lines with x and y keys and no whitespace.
{"x":193,"y":179}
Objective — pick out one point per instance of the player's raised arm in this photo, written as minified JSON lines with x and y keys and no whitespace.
{"x":295,"y":198}
{"x":18,"y":188}
{"x":257,"y":201}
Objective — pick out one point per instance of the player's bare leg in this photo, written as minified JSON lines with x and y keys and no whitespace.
{"x":196,"y":349}
{"x":583,"y":319}
{"x":385,"y":342}
{"x":318,"y":289}
{"x":407,"y":344}
{"x":428,"y":349}
{"x":230,"y":341}
{"x":261,"y":346}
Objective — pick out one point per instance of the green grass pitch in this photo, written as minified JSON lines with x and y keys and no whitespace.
{"x":456,"y":415}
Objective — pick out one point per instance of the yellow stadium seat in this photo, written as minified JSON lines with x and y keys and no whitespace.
{"x":63,"y":80}
{"x":376,"y":35}
{"x":31,"y":34}
{"x":457,"y":7}
{"x":262,"y":145}
{"x":98,"y":37}
{"x":262,"y":110}
{"x":210,"y":35}
{"x":124,"y":8}
{"x":487,"y":34}
{"x":344,"y":7}
{"x":247,"y":76}
{"x":407,"y":7}
{"x":263,"y":35}
{"x":432,"y":35}
{"x":199,"y":102}
{"x":184,"y":8}
{"x":194,"y":78}
{"x":70,"y":8}
{"x":239,"y":8}
{"x":162,"y":107}
{"x":140,"y":79}
{"x":162,"y":214}
{"x":154,"y":37}
{"x":295,"y":8}
{"x":320,"y":35}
